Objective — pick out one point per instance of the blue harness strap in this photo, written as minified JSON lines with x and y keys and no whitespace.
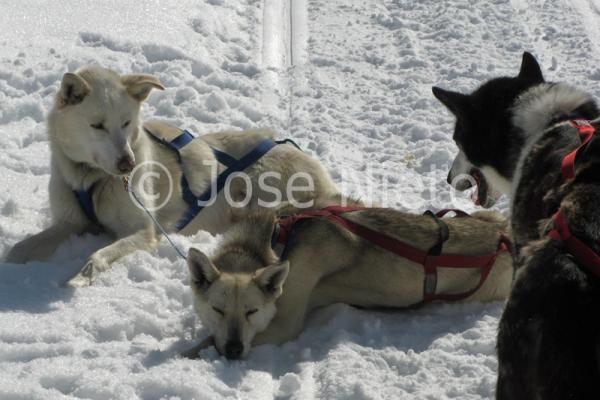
{"x":196,"y":204}
{"x":176,"y":144}
{"x":84,"y":198}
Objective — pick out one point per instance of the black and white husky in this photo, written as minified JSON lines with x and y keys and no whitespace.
{"x":513,"y":134}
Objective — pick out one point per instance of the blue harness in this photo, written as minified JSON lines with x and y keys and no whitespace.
{"x":195,"y":204}
{"x":84,"y":198}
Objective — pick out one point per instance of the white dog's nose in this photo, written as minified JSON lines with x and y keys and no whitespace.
{"x":125,"y":164}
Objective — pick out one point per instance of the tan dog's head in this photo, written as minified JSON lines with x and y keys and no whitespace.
{"x":235,"y":306}
{"x":96,"y":117}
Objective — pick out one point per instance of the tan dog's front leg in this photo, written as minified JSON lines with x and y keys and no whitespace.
{"x":101,"y":260}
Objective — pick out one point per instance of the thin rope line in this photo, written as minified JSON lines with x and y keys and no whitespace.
{"x":156,"y":223}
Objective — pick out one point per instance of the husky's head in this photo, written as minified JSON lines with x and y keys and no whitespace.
{"x":235,"y":306}
{"x":96,"y":117}
{"x":489,"y":144}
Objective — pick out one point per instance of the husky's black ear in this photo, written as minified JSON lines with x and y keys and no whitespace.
{"x":270,"y":279}
{"x":73,"y":90}
{"x":530,"y":69}
{"x":139,"y":86}
{"x":202,"y":271}
{"x":457,"y":103}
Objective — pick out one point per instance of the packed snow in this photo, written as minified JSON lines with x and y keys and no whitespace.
{"x":350,"y":82}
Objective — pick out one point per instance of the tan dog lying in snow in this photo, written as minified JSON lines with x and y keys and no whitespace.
{"x":246,"y":295}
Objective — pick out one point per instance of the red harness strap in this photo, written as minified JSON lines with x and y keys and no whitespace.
{"x":561,"y":232}
{"x":576,"y":247}
{"x":586,"y":133}
{"x":429,"y":262}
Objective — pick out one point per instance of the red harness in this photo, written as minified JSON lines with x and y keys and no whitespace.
{"x":430,"y":261}
{"x":561,"y":232}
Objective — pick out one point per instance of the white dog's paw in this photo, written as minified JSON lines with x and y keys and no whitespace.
{"x":86,"y":276}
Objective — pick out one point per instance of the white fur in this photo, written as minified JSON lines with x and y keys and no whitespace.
{"x":496,"y":182}
{"x":82,"y":155}
{"x":534,"y":110}
{"x":461,"y":167}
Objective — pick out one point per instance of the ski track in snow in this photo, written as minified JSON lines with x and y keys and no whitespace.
{"x":353,"y":89}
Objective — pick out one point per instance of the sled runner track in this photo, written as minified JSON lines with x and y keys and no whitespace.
{"x":285,"y":34}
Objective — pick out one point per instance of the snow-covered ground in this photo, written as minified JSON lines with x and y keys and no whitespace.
{"x":350,"y":81}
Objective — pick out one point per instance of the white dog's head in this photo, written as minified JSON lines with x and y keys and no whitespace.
{"x":96,"y":117}
{"x":235,"y":306}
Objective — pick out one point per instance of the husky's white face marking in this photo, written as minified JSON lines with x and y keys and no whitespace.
{"x":497,"y":182}
{"x":490,"y":185}
{"x":459,"y":173}
{"x":234,"y":306}
{"x":99,"y":117}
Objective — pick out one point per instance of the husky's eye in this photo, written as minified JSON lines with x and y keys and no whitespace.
{"x":126,"y":124}
{"x":219,"y":311}
{"x":99,"y":126}
{"x":250,"y":312}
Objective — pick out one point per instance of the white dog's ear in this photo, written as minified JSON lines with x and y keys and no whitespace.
{"x":139,"y":86}
{"x":73,"y":89}
{"x":270,"y":279}
{"x":202,"y":271}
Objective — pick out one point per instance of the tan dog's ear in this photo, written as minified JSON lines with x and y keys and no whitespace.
{"x":139,"y":86}
{"x":202,"y":271}
{"x":270,"y":279}
{"x":73,"y":90}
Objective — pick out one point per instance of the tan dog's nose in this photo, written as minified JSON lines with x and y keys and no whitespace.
{"x":233,"y":349}
{"x":125,"y":164}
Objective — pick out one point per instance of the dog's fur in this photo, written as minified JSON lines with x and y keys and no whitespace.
{"x":96,"y":137}
{"x":549,"y":335}
{"x":246,"y":295}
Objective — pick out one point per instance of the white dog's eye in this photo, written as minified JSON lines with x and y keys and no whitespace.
{"x":250,"y":312}
{"x":99,"y":126}
{"x":219,"y":311}
{"x":125,"y":125}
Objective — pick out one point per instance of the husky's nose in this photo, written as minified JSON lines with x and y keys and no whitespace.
{"x":460,"y":183}
{"x":125,"y":164}
{"x":233,"y":349}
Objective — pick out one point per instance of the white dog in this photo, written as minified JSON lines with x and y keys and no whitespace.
{"x":97,"y":139}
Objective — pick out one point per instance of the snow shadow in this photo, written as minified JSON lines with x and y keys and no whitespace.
{"x":33,"y":287}
{"x":340,"y":326}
